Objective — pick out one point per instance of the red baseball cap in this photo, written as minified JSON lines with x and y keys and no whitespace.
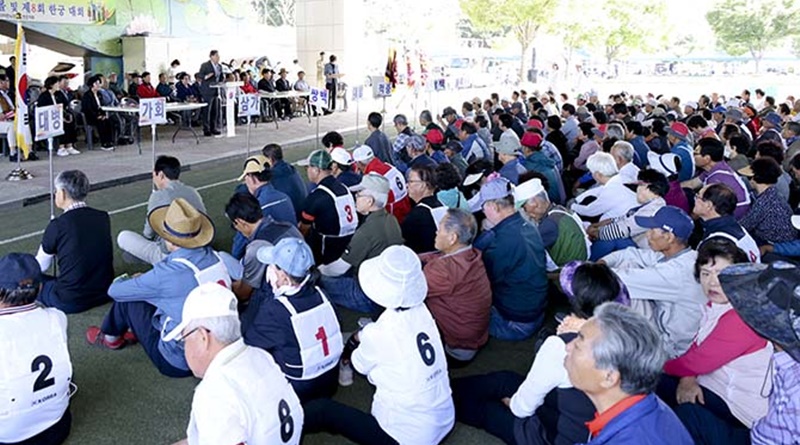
{"x":679,"y":130}
{"x":535,"y":123}
{"x":531,"y":139}
{"x":434,"y":137}
{"x":458,"y":123}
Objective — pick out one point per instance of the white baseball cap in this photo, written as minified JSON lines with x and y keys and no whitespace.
{"x":663,"y":163}
{"x":341,"y":156}
{"x":394,"y":279}
{"x":363,"y":153}
{"x":205,"y":301}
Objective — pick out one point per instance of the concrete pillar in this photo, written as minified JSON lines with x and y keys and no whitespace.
{"x":336,"y":27}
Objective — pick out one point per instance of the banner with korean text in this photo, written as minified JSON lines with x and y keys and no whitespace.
{"x":85,"y":12}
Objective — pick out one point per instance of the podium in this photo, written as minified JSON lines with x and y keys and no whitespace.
{"x":229,"y":89}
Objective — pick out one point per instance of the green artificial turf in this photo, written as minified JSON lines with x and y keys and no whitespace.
{"x":121,"y":398}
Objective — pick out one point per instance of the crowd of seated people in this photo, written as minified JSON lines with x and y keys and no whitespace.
{"x":671,"y":272}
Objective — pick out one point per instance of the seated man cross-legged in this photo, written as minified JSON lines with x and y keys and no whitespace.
{"x":150,"y":304}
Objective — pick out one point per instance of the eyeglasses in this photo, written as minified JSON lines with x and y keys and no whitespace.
{"x":183,"y":337}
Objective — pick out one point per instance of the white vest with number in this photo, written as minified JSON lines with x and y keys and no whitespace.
{"x":346,"y":210}
{"x":746,"y":243}
{"x":318,"y":336}
{"x":397,"y":183}
{"x":216,"y":273}
{"x":35,"y":372}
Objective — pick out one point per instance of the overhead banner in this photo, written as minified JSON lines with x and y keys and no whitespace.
{"x":84,"y":12}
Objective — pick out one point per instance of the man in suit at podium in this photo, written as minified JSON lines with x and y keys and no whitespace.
{"x":211,"y":74}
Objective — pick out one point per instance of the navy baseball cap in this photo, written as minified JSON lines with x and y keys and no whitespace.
{"x":291,"y":255}
{"x":670,"y":219}
{"x":20,"y":271}
{"x":719,"y":109}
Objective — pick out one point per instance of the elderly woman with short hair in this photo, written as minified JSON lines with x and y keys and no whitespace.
{"x":715,"y":387}
{"x":610,"y":198}
{"x":80,"y":240}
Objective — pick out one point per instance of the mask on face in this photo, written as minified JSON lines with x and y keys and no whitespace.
{"x":277,"y":290}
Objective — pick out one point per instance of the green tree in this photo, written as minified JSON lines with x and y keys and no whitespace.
{"x":632,"y":25}
{"x":752,"y":26}
{"x":571,"y":26}
{"x":522,"y":18}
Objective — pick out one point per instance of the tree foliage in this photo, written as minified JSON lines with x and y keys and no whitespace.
{"x":275,"y":12}
{"x":524,"y":19}
{"x":631,"y":25}
{"x":752,"y":26}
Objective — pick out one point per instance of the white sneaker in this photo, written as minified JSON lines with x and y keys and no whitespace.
{"x":111,"y":148}
{"x":72,"y":151}
{"x":62,"y":152}
{"x":345,"y":374}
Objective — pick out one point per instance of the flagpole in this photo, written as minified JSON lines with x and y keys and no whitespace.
{"x":18,"y":174}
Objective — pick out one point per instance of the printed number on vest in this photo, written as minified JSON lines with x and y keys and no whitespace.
{"x":425,"y":349}
{"x":42,"y":381}
{"x":399,"y":183}
{"x":287,"y":423}
{"x":323,"y":337}
{"x":349,"y":210}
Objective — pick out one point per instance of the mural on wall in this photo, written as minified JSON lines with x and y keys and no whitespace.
{"x":202,"y":20}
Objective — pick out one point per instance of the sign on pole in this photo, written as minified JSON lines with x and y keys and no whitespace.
{"x":384,"y":90}
{"x":249,"y":105}
{"x":152,"y":111}
{"x":49,"y":122}
{"x":358,"y":93}
{"x":318,"y":97}
{"x":439,"y":85}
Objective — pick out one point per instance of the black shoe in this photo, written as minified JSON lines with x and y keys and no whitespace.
{"x":12,"y":158}
{"x":327,"y":112}
{"x":32,"y":156}
{"x":206,"y":133}
{"x":215,"y":132}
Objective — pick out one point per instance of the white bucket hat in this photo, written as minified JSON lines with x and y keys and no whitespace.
{"x":394,"y":279}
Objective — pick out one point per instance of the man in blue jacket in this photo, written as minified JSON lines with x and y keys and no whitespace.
{"x":150,"y":305}
{"x":513,"y":253}
{"x":285,"y":177}
{"x":616,"y":360}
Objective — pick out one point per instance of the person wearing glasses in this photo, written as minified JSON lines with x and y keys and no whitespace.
{"x":243,"y":396}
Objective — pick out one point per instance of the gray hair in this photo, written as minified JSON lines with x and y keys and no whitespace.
{"x":416,"y":143}
{"x":462,"y":223}
{"x":630,"y":345}
{"x":400,"y":119}
{"x":603,"y":163}
{"x":226,"y":329}
{"x":615,"y":131}
{"x":74,"y":183}
{"x":426,"y":116}
{"x":623,"y":149}
{"x":379,"y":198}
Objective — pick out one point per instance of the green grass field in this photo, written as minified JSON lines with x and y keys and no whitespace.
{"x":121,"y":398}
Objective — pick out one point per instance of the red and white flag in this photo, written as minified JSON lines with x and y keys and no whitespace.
{"x":21,"y":122}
